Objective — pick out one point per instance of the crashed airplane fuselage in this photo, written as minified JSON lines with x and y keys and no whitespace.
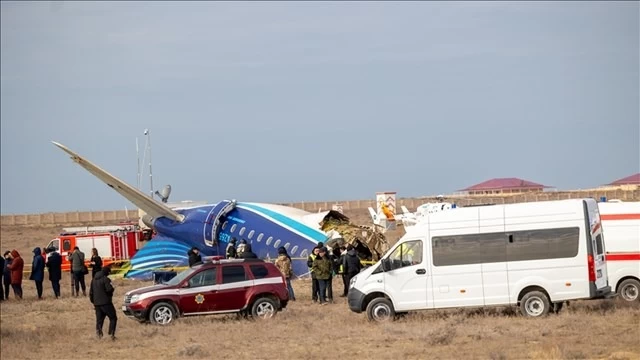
{"x":210,"y":227}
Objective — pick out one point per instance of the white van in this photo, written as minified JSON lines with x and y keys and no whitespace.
{"x":621,"y":228}
{"x":536,"y":255}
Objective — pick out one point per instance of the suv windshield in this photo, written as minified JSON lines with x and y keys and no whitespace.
{"x":181,"y":276}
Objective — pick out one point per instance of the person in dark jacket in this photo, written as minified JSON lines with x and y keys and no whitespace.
{"x":351,"y":266}
{"x":78,"y":270}
{"x":54,"y":266}
{"x":1,"y":285}
{"x":37,"y":271}
{"x":17,"y":268}
{"x":231,"y":249}
{"x":96,"y":262}
{"x":194,"y":256}
{"x":6,"y":274}
{"x":101,"y":296}
{"x":247,"y":253}
{"x":314,"y":280}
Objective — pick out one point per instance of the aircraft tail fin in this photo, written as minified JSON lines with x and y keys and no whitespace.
{"x":150,"y":206}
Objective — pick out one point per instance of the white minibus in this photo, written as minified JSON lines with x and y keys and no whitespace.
{"x":534,"y":255}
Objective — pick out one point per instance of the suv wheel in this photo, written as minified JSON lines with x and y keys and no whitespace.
{"x":264,"y":308}
{"x":162,"y":313}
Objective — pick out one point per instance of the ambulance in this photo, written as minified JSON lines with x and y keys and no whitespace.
{"x":115,"y":243}
{"x":621,"y":228}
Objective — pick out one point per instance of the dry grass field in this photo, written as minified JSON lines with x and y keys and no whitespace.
{"x":64,"y":328}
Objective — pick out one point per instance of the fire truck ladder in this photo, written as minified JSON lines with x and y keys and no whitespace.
{"x":227,"y":208}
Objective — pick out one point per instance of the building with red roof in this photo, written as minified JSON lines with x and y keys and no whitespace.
{"x":631,"y":180}
{"x":504,"y":186}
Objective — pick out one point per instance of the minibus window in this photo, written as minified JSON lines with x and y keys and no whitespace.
{"x":407,"y":254}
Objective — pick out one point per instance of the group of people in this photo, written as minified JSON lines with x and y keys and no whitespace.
{"x":100,"y":291}
{"x":324,"y":264}
{"x":13,"y":271}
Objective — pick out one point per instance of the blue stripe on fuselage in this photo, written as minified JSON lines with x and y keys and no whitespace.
{"x":306,"y":230}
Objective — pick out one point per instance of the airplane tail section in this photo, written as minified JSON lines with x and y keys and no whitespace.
{"x":150,"y":206}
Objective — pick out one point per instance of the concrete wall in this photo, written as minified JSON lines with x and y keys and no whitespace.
{"x":411,"y":203}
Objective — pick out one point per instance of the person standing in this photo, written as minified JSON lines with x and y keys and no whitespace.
{"x":101,"y":296}
{"x":37,"y":271}
{"x":6,"y":274}
{"x":231,"y":249}
{"x":283,"y":263}
{"x":194,"y":256}
{"x":314,"y":281}
{"x":1,"y":285}
{"x":322,"y":268}
{"x":16,"y":267}
{"x":351,"y":265}
{"x":54,"y":266}
{"x":77,"y":269}
{"x":96,"y":262}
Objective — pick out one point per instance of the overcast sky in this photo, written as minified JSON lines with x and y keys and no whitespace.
{"x":291,"y":101}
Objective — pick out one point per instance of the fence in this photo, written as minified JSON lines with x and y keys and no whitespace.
{"x":314,"y":206}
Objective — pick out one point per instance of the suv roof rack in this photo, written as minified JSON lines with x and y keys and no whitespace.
{"x":222,"y":260}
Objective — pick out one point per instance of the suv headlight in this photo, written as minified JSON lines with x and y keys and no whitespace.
{"x":353,"y":281}
{"x":134,"y":299}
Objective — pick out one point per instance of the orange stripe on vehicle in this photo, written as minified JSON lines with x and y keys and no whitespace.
{"x":620,"y":217}
{"x":623,"y":257}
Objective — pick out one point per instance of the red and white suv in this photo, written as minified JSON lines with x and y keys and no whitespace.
{"x":244,"y":286}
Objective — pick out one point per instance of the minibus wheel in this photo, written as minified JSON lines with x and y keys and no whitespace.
{"x":534,"y":304}
{"x":380,"y":310}
{"x":629,"y":290}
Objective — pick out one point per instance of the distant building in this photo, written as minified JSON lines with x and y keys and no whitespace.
{"x":504,"y":186}
{"x":632,"y":180}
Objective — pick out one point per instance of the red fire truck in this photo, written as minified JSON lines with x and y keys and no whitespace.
{"x":114,"y":243}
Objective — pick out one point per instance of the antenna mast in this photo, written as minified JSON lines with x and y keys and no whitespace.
{"x":138,"y":158}
{"x":148,"y":133}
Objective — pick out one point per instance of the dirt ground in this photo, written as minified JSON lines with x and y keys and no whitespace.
{"x":64,"y":328}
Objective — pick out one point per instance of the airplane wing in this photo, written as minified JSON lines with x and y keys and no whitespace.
{"x":147,"y":204}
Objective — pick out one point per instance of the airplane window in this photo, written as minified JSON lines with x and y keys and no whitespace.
{"x":251,"y":234}
{"x":277,"y":243}
{"x":224,"y":225}
{"x":286,"y":246}
{"x":233,"y":228}
{"x":304,"y":253}
{"x":294,"y":250}
{"x":269,"y":240}
{"x":242,"y":231}
{"x":260,"y":237}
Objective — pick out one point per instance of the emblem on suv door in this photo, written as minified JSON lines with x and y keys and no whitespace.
{"x":199,"y":299}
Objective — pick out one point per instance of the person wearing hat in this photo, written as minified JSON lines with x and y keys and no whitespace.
{"x":322,"y":268}
{"x":283,"y":263}
{"x":231,"y":249}
{"x":101,"y":296}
